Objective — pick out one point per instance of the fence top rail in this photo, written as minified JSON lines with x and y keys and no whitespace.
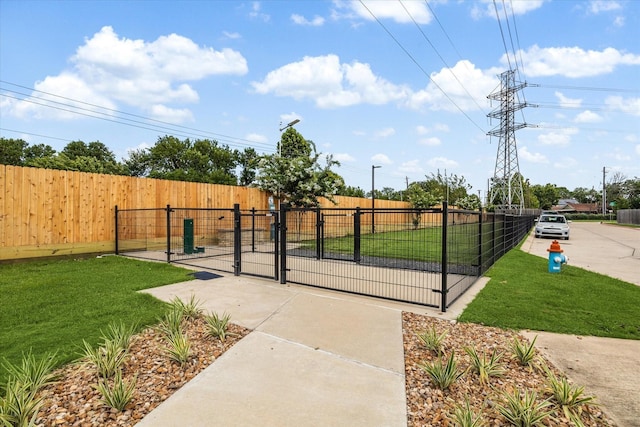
{"x":366,"y":209}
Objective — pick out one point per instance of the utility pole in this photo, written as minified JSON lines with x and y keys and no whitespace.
{"x":506,"y":191}
{"x":604,"y":191}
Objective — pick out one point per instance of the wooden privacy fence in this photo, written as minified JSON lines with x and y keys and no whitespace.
{"x":46,"y":212}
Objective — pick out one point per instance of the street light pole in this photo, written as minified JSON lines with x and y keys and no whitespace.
{"x":290,"y":124}
{"x":373,"y":198}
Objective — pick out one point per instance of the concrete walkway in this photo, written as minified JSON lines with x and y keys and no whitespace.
{"x":314,"y":358}
{"x":318,"y":358}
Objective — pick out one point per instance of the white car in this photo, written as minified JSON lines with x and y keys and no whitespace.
{"x":553,"y":226}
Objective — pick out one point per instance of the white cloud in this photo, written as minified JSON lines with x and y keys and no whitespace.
{"x":442,"y":162}
{"x":440,"y":127}
{"x":256,"y":137}
{"x":395,"y":11}
{"x":526,"y":155}
{"x":317,"y":21}
{"x":385,"y":133}
{"x":430,"y":142}
{"x":108,"y":69}
{"x":599,"y":6}
{"x":572,"y":61}
{"x":588,"y":116}
{"x":568,"y":102}
{"x":453,"y":82}
{"x":619,"y":21}
{"x":232,"y":36}
{"x":256,"y":12}
{"x":381,"y":159}
{"x":558,"y":138}
{"x":626,"y":105}
{"x":329,"y":83}
{"x":411,"y":167}
{"x":519,"y":7}
{"x":566,"y":163}
{"x":171,"y":115}
{"x":344,"y":157}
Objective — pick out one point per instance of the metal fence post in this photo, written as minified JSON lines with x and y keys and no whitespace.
{"x":444,"y":290}
{"x":237,"y":240}
{"x":480,"y":227}
{"x":116,"y":224}
{"x":276,"y":244}
{"x":168,"y":233}
{"x":283,"y":243}
{"x":253,"y":229}
{"x":356,"y":236}
{"x":318,"y":227}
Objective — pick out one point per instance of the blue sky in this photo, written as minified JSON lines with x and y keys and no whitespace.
{"x":399,"y":84}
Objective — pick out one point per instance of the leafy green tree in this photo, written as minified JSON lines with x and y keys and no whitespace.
{"x":420,"y":200}
{"x":294,"y":174}
{"x":202,"y":160}
{"x":469,"y":203}
{"x":451,"y":187}
{"x":548,"y":195}
{"x":585,"y":195}
{"x":387,"y":193}
{"x":38,"y":151}
{"x":248,"y":160}
{"x":352,"y":192}
{"x":12,"y":151}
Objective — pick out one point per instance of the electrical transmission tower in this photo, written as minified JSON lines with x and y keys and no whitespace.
{"x":506,"y":189}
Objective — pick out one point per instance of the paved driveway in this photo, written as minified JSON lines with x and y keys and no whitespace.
{"x":603,"y":248}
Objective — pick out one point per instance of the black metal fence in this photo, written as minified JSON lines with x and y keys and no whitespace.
{"x":430,"y":257}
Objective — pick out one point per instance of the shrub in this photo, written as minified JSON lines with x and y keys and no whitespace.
{"x":442,"y":374}
{"x":465,"y":417}
{"x":432,"y":340}
{"x":218,"y":325}
{"x":569,"y":397}
{"x":190,"y":309}
{"x":179,"y":348}
{"x":485,"y":366}
{"x":523,"y":410}
{"x":106,"y":359}
{"x":118,"y":394}
{"x":524,"y":353}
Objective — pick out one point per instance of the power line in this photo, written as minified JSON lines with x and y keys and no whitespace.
{"x":419,"y":66}
{"x":100,"y":114}
{"x":585,"y":88}
{"x":441,"y":58}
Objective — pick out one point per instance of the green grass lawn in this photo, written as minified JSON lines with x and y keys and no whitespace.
{"x":523,"y":295}
{"x":49,"y":306}
{"x":423,"y":244}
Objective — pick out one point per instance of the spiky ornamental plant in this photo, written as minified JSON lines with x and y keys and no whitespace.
{"x":523,"y":409}
{"x":106,"y":359}
{"x":191,"y":309}
{"x":464,"y":416}
{"x":218,"y":325}
{"x":119,"y":393}
{"x":569,"y":397}
{"x":524,"y":353}
{"x":442,"y":374}
{"x":485,"y":366}
{"x":432,"y":340}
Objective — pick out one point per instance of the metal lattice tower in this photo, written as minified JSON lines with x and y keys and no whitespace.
{"x":506,"y":189}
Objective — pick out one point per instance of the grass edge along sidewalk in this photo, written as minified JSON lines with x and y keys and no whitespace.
{"x":521,"y":294}
{"x":51,"y":306}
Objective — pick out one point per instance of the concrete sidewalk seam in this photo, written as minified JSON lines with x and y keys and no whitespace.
{"x":330,"y":353}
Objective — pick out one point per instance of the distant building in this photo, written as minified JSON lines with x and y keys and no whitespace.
{"x":571,"y":206}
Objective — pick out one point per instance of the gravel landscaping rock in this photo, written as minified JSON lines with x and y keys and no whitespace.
{"x":74,"y":401}
{"x":430,"y":406}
